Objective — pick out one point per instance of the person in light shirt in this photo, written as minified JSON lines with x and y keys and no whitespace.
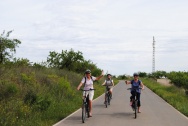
{"x":109,"y":83}
{"x":87,"y":81}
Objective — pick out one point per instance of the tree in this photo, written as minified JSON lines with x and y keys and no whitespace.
{"x":73,"y":61}
{"x":142,"y":74}
{"x":7,"y":47}
{"x":70,"y":58}
{"x":159,"y":74}
{"x":65,"y":59}
{"x":122,"y":77}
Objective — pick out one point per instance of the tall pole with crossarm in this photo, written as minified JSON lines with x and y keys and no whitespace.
{"x":153,"y":63}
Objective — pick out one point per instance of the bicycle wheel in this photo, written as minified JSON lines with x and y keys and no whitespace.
{"x":135,"y":108}
{"x":106,"y":100}
{"x":83,"y":113}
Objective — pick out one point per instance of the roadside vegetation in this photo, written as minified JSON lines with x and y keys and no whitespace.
{"x":179,"y":79}
{"x":41,"y":94}
{"x":172,"y":94}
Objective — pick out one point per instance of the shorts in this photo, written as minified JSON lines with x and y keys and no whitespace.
{"x":91,"y":94}
{"x":110,"y":88}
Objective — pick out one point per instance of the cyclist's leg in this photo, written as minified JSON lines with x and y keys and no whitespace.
{"x":132,"y":97}
{"x":91,"y":94}
{"x":85,"y":93}
{"x":138,"y":98}
{"x":105,"y":96}
{"x":111,"y":89}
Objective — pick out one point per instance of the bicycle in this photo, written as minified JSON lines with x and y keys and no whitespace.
{"x":85,"y":106}
{"x":134,"y":101}
{"x":108,"y":96}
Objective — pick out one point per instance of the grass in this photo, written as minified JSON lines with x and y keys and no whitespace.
{"x":171,"y":94}
{"x":39,"y":96}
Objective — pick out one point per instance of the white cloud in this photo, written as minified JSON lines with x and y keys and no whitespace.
{"x":116,"y":35}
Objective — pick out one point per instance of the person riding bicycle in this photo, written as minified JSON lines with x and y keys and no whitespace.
{"x":87,"y":81}
{"x":109,"y":84}
{"x":136,"y":83}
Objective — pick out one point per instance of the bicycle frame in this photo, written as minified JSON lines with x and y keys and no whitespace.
{"x":85,"y":105}
{"x":107,"y":96}
{"x":134,"y":101}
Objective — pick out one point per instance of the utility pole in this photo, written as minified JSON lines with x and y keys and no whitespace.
{"x":1,"y":53}
{"x":153,"y":63}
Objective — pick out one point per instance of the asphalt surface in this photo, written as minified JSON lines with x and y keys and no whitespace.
{"x":154,"y":111}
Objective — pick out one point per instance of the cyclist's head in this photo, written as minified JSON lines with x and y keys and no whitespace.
{"x":135,"y":74}
{"x":109,"y":75}
{"x":87,"y":71}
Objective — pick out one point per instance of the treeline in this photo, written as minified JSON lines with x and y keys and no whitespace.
{"x":179,"y":79}
{"x":66,"y":59}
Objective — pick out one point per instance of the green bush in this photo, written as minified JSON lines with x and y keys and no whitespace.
{"x":30,"y":98}
{"x":179,"y":79}
{"x":7,"y":89}
{"x":42,"y":103}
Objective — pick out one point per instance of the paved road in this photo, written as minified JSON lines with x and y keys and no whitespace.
{"x":155,"y":111}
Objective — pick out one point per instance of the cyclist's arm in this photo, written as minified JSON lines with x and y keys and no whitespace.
{"x":127,"y":82}
{"x":78,"y":88}
{"x":99,"y":77}
{"x":113,"y":83}
{"x":142,"y":85}
{"x":104,"y":83}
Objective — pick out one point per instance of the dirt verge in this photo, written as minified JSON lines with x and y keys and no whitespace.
{"x":164,"y":81}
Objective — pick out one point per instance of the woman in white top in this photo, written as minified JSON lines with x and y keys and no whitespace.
{"x":88,"y":84}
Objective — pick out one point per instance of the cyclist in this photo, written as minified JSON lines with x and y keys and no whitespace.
{"x":136,"y":83}
{"x":88,"y":84}
{"x":108,"y":82}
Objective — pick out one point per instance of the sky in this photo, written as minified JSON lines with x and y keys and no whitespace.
{"x":116,"y":35}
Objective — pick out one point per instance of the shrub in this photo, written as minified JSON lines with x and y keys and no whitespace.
{"x":42,"y":103}
{"x":180,"y":79}
{"x":7,"y":89}
{"x":30,"y":98}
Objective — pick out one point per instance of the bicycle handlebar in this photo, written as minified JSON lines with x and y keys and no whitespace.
{"x":87,"y":90}
{"x":107,"y":85}
{"x":133,"y":88}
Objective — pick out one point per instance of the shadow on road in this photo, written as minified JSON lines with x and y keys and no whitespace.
{"x":75,"y":118}
{"x":122,"y":115}
{"x":99,"y":106}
